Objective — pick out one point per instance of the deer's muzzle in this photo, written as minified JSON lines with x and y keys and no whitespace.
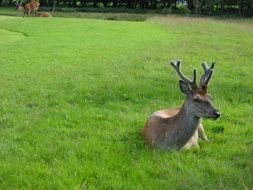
{"x":215,"y":114}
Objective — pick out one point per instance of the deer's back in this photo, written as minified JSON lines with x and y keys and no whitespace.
{"x":34,"y":5}
{"x":158,"y":127}
{"x":44,"y":14}
{"x":166,"y":113}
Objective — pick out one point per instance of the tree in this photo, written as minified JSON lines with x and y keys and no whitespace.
{"x":197,"y":6}
{"x":190,"y":4}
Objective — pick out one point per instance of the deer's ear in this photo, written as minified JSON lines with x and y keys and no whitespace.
{"x":184,"y":87}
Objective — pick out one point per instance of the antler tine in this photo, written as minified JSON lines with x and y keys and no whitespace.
{"x":208,"y":72}
{"x":192,"y":83}
{"x":205,"y":66}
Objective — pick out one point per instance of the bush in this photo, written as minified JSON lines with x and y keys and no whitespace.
{"x":183,"y":10}
{"x":166,"y":11}
{"x":180,"y":10}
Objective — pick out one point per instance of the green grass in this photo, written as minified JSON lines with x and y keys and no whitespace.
{"x":90,"y":14}
{"x":75,"y":94}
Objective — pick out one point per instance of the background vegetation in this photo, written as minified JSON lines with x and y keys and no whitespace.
{"x":205,"y":7}
{"x":75,"y":94}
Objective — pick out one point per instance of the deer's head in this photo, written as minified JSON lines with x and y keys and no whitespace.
{"x":198,"y":101}
{"x":19,"y":7}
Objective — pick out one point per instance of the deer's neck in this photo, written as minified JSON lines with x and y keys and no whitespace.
{"x":185,"y":123}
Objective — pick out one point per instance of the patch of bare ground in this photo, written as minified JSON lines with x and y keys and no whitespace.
{"x":241,"y":24}
{"x":177,"y":20}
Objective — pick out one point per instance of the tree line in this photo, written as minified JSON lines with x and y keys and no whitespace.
{"x":209,"y":7}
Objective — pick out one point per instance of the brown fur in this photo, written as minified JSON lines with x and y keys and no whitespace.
{"x":31,"y":7}
{"x":166,"y":113}
{"x":181,"y":128}
{"x":164,"y":125}
{"x":44,"y":14}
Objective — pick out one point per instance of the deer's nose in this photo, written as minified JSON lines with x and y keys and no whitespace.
{"x":216,"y":114}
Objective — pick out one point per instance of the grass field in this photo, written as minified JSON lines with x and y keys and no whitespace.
{"x":75,"y":94}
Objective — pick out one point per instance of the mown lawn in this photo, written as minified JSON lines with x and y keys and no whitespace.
{"x":75,"y":94}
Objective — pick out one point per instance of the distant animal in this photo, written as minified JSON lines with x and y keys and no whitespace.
{"x":28,"y":8}
{"x":178,"y":129}
{"x":44,"y":14}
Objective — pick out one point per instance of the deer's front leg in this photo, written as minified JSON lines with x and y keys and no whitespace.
{"x":201,"y":133}
{"x":192,"y":142}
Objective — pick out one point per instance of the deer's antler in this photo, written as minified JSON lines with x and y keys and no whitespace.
{"x":192,"y":83}
{"x":208,"y":72}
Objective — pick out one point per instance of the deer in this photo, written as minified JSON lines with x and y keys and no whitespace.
{"x":181,"y":128}
{"x":44,"y":14}
{"x":28,"y":8}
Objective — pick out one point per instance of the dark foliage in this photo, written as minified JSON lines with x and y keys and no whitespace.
{"x":205,"y":7}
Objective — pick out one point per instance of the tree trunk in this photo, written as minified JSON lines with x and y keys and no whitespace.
{"x":222,"y":7}
{"x":95,"y":3}
{"x":54,"y":2}
{"x":197,"y":6}
{"x":115,"y":3}
{"x":190,"y":4}
{"x":240,"y":8}
{"x":129,"y":4}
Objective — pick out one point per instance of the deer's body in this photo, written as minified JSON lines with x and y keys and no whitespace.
{"x":181,"y":127}
{"x":28,"y":8}
{"x":44,"y":14}
{"x":165,"y":115}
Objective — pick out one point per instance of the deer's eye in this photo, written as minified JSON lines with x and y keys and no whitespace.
{"x":197,"y":100}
